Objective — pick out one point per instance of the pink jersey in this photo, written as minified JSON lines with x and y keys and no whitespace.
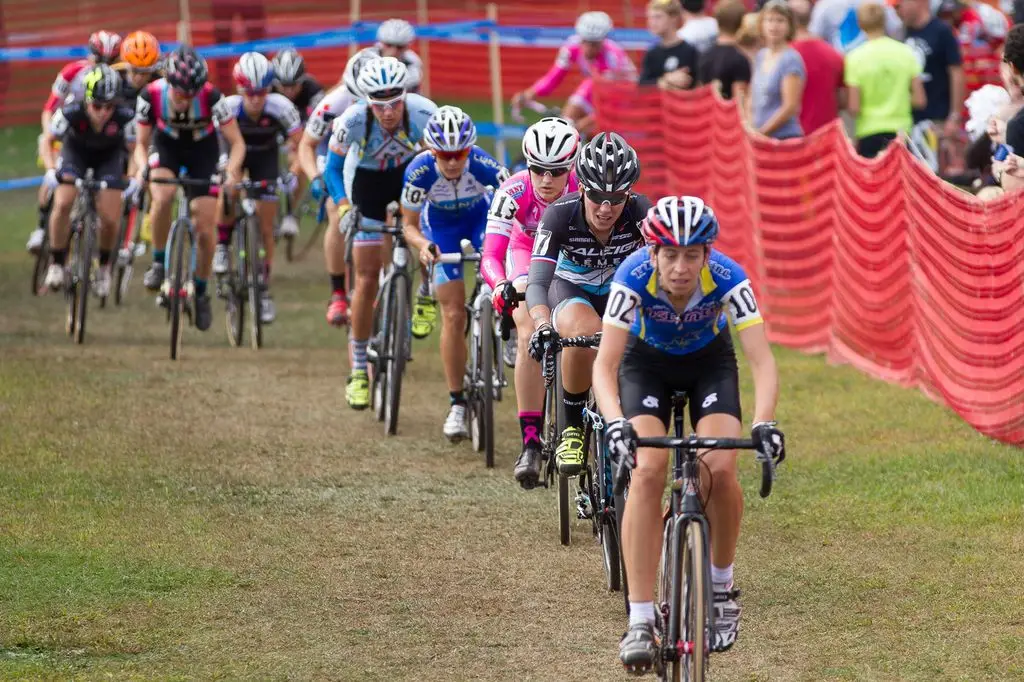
{"x":515,"y":212}
{"x":611,"y":62}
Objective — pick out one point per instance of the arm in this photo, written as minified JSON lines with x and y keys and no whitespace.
{"x":918,"y":98}
{"x":414,"y":197}
{"x":606,"y":369}
{"x":236,"y":154}
{"x":546,"y":245}
{"x":762,"y":367}
{"x":143,"y":134}
{"x":334,"y":176}
{"x":307,"y":155}
{"x":499,"y":232}
{"x":956,"y":97}
{"x":553,"y":78}
{"x":58,"y":124}
{"x":792,"y":92}
{"x":418,"y":242}
{"x":853,"y":99}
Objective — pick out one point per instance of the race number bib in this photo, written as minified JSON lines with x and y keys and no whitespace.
{"x":623,"y":304}
{"x":58,"y":124}
{"x":540,"y":242}
{"x":413,"y":196}
{"x":503,"y":207}
{"x":743,"y":309}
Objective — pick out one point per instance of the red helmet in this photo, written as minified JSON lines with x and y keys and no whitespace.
{"x":105,"y":46}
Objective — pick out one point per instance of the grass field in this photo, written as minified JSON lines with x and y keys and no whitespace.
{"x":228,"y":517}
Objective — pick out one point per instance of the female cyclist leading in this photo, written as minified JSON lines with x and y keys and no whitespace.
{"x":595,"y":55}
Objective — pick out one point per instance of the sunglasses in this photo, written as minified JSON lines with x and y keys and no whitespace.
{"x":613,"y":198}
{"x":256,"y":93}
{"x":451,"y":156}
{"x":182,"y":94}
{"x":102,"y":106}
{"x":393,"y":46}
{"x":555,"y":172}
{"x":386,"y":100}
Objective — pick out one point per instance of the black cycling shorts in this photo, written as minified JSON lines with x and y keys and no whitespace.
{"x":106,"y":165}
{"x":372,"y":190}
{"x":199,"y":158}
{"x":561,"y":293}
{"x":263,"y":165}
{"x":648,"y":377}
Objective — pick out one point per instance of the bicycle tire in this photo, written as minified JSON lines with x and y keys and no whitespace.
{"x":606,"y":524}
{"x":41,"y":264}
{"x":398,"y":323}
{"x":693,"y":615}
{"x":234,"y":307}
{"x":125,"y":241}
{"x":620,"y":510}
{"x":254,"y":268}
{"x":563,"y":509}
{"x":289,"y":240}
{"x":84,"y":266}
{"x":71,"y":281}
{"x":487,"y":380}
{"x":377,"y":365}
{"x":176,"y":288}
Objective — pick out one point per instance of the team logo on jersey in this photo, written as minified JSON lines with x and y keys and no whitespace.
{"x":516,"y":189}
{"x":719,"y":269}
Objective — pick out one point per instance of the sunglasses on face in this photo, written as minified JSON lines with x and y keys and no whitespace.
{"x":101,"y":106}
{"x":451,"y":156}
{"x":613,"y":198}
{"x":555,"y":172}
{"x":255,"y":93}
{"x":386,"y":100}
{"x":394,"y":47}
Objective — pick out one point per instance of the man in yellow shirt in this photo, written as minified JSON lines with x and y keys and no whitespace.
{"x":883,"y":81}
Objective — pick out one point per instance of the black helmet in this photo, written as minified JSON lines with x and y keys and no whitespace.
{"x":102,"y":84}
{"x":289,"y":66}
{"x":186,"y":70}
{"x":607,"y":164}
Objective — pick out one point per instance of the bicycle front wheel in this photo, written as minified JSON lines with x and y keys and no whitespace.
{"x":691,"y":664}
{"x":176,"y":292}
{"x":233,"y":290}
{"x":483,"y":412}
{"x":83,"y":268}
{"x":253,"y":276}
{"x":398,"y":331}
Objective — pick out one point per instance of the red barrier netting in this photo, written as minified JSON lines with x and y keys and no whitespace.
{"x":876,"y":262}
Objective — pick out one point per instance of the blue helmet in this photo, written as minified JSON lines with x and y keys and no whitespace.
{"x":449,"y":129}
{"x":680,"y":221}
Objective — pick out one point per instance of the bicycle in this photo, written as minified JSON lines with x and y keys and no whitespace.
{"x":133,"y":214}
{"x":390,"y":344}
{"x":242,"y":286}
{"x":82,"y":249}
{"x":485,"y":374}
{"x":285,"y":206}
{"x":42,"y":260}
{"x":178,"y":290}
{"x":684,"y":591}
{"x":606,"y":507}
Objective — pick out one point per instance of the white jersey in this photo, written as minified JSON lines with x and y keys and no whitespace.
{"x":333,"y":105}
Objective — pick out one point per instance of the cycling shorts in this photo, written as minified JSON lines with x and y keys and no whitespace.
{"x":108,"y":165}
{"x":199,"y":158}
{"x":263,"y":165}
{"x":372,"y":191}
{"x":447,"y":229}
{"x":647,"y":378}
{"x":562,"y":294}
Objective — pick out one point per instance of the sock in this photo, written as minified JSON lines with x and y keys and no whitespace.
{"x":224,"y":234}
{"x":159,"y":255}
{"x":574,"y":404}
{"x":721,"y":578}
{"x":358,"y":355}
{"x":338,"y":284}
{"x":266,"y":273}
{"x":42,"y":218}
{"x":529,"y":423}
{"x":200,"y":286}
{"x":105,"y":256}
{"x":641,"y":612}
{"x":457,"y":397}
{"x":60,"y":256}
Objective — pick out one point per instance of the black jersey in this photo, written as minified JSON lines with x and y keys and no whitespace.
{"x":309,"y":96}
{"x":71,"y":124}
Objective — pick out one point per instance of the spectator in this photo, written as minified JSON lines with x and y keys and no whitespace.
{"x":672,"y":63}
{"x":698,"y":29}
{"x":1010,"y":173}
{"x":883,"y":82}
{"x":778,"y":76}
{"x":835,"y":22}
{"x":824,"y":66}
{"x":938,"y":52}
{"x":748,"y":38}
{"x":724,"y":65}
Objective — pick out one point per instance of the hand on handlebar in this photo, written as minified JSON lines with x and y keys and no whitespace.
{"x":770,"y":442}
{"x":505,"y":298}
{"x":428,"y":253}
{"x":540,"y":340}
{"x":50,"y":179}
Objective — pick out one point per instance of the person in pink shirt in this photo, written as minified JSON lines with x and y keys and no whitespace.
{"x":550,"y":147}
{"x":823,"y":90}
{"x":595,"y":55}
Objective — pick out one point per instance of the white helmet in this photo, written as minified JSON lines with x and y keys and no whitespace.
{"x":449,"y":129}
{"x":254,"y":72}
{"x":593,"y":26}
{"x":395,"y":32}
{"x":551,"y":143}
{"x":354,"y":67}
{"x":381,"y":74}
{"x":289,"y":66}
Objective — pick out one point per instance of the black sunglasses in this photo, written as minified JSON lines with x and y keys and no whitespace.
{"x":613,"y":198}
{"x":555,"y":172}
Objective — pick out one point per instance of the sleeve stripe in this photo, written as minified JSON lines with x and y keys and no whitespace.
{"x":749,"y":323}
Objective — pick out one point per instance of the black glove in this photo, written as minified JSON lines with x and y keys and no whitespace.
{"x":770,"y":442}
{"x":505,"y":299}
{"x":620,"y":438}
{"x":545,"y":335}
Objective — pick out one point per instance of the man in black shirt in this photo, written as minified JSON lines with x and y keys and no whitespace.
{"x":1010,"y":172}
{"x":672,"y":63}
{"x":724,"y":65}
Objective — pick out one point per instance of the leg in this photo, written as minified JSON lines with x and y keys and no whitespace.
{"x":108,"y":207}
{"x":574,"y":317}
{"x":334,"y":261}
{"x":160,"y":205}
{"x":203,"y":209}
{"x":451,"y":294}
{"x":60,"y":224}
{"x":366,"y":264}
{"x":266,"y":211}
{"x":424,"y":316}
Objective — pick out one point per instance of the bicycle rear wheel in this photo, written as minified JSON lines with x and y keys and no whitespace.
{"x":176,"y":285}
{"x":691,"y":665}
{"x":83,"y":266}
{"x":71,"y":279}
{"x":253,"y":277}
{"x":125,"y":251}
{"x":398,"y":330}
{"x":606,"y":526}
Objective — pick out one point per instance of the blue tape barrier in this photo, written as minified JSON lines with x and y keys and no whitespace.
{"x":360,"y":32}
{"x":20,"y":183}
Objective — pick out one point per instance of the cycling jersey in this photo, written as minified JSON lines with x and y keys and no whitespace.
{"x":611,"y":63}
{"x":331,"y":106}
{"x":515,"y":212}
{"x":309,"y":96}
{"x":638,"y":304}
{"x":424,"y":184}
{"x":279,"y":117}
{"x":68,"y":82}
{"x":565,"y":247}
{"x":198,"y":121}
{"x":71,"y":125}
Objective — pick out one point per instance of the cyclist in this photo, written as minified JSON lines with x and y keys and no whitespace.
{"x":104,"y":47}
{"x":140,"y":57}
{"x":580,"y":241}
{"x":595,"y":55}
{"x":384,"y":129}
{"x":665,"y":329}
{"x":550,"y":148}
{"x":93,"y":132}
{"x":179,"y":114}
{"x":394,"y":37}
{"x":448,"y":186}
{"x":305,"y":92}
{"x":313,"y":158}
{"x":262,"y":116}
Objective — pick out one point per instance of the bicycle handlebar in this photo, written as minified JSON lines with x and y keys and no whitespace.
{"x":591,"y":341}
{"x":701,"y":443}
{"x":506,"y":317}
{"x":185,"y":182}
{"x":91,"y":183}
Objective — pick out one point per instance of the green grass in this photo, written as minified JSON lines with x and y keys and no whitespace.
{"x":228,"y":517}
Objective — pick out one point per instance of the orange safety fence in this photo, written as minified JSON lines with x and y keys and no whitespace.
{"x":877,"y":263}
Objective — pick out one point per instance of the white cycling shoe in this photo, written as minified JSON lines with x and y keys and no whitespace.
{"x":54,"y":277}
{"x":289,"y":226}
{"x":221,"y":260}
{"x":101,"y":282}
{"x":35,"y":241}
{"x":455,"y":428}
